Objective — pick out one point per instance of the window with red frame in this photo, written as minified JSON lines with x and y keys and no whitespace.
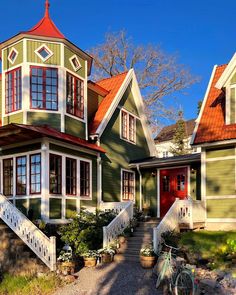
{"x":127,"y":185}
{"x":75,"y":96}
{"x":70,"y":176}
{"x":13,"y":91}
{"x":8,"y":177}
{"x":128,"y":126}
{"x":55,"y":174}
{"x":44,"y":88}
{"x":35,"y":174}
{"x":21,"y":175}
{"x":84,"y":179}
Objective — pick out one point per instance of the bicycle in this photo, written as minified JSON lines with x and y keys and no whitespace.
{"x":179,"y":277}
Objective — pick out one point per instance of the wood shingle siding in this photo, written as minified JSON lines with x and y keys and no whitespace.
{"x":68,"y":54}
{"x":75,"y":127}
{"x":220,"y":152}
{"x":7,"y":65}
{"x":44,"y":118}
{"x":13,"y":118}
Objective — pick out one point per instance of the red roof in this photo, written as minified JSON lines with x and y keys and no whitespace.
{"x":46,"y":27}
{"x":212,"y":125}
{"x":113,"y":85}
{"x":13,"y":133}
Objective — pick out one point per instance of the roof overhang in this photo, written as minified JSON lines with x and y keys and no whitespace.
{"x":97,"y":88}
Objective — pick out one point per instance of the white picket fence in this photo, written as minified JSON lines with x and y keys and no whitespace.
{"x":185,"y":212}
{"x":119,"y":223}
{"x":29,"y":233}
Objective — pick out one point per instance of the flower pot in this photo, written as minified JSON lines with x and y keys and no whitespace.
{"x":67,"y":268}
{"x":107,"y":258}
{"x":148,"y":261}
{"x":122,"y":239}
{"x":90,"y":261}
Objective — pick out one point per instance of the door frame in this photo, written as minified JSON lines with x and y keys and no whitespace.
{"x":158,"y":184}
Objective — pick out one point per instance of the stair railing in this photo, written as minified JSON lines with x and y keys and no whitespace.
{"x":29,"y":233}
{"x":118,"y":224}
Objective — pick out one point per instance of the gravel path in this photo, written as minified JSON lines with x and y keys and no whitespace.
{"x":114,"y":279}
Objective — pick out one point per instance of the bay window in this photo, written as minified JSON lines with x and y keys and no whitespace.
{"x":8,"y":177}
{"x":13,"y":91}
{"x":35,"y":174}
{"x":84,"y":179}
{"x":21,"y":175}
{"x":55,"y":174}
{"x":70,"y":176}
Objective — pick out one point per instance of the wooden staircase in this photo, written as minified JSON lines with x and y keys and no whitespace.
{"x":142,"y":236}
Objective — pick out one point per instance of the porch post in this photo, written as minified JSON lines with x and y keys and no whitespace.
{"x":45,"y":181}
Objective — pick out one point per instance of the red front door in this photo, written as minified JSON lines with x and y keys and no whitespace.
{"x":173,"y":184}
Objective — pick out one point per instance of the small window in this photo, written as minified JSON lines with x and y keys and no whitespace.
{"x":21,"y":175}
{"x":180,"y":182}
{"x":166,"y":183}
{"x":55,"y":174}
{"x":75,"y":63}
{"x":35,"y":174}
{"x":128,"y":126}
{"x":128,"y":185}
{"x":12,"y":55}
{"x":8,"y":177}
{"x":70,"y":176}
{"x":13,"y":91}
{"x":43,"y":52}
{"x":165,"y":154}
{"x":84,"y":179}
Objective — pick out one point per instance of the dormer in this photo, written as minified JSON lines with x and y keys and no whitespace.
{"x":227,"y":83}
{"x":44,"y":79}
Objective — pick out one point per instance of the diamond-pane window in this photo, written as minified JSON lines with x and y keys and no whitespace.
{"x":12,"y":55}
{"x":44,"y":52}
{"x":75,"y":63}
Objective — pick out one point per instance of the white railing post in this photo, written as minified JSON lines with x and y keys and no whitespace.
{"x":155,"y":240}
{"x":53,"y":253}
{"x":105,"y":242}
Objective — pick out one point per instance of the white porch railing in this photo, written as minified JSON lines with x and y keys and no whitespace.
{"x":30,"y":234}
{"x":119,"y":223}
{"x":116,"y":206}
{"x":185,"y":212}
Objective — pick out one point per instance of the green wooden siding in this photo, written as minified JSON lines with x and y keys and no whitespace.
{"x":68,"y":54}
{"x":55,"y":208}
{"x":128,"y":102}
{"x":44,"y":118}
{"x":32,"y":57}
{"x":232,"y":106}
{"x":70,"y":208}
{"x":220,"y":152}
{"x":233,"y":80}
{"x":75,"y":127}
{"x":7,"y":64}
{"x":221,"y":208}
{"x":14,"y":118}
{"x":93,"y":99}
{"x":149,"y":185}
{"x":220,"y":178}
{"x":119,"y":153}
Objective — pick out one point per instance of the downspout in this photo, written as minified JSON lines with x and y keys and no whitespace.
{"x":99,"y":177}
{"x":140,"y":189}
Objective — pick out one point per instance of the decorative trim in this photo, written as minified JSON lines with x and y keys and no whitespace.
{"x":78,"y":67}
{"x":13,"y":50}
{"x":227,"y":72}
{"x":44,"y":46}
{"x":221,"y":197}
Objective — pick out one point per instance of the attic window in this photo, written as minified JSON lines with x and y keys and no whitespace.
{"x":44,"y":52}
{"x":75,"y":63}
{"x":12,"y":55}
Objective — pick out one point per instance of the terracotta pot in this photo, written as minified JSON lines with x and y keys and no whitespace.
{"x":148,"y":261}
{"x":67,"y":268}
{"x":107,"y":258}
{"x":90,"y":261}
{"x":122,"y":239}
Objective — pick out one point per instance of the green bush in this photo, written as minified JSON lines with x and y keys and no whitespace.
{"x":85,"y":232}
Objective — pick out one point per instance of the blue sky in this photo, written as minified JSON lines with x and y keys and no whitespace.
{"x":201,"y":32}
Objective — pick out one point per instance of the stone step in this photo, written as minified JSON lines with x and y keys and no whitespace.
{"x":142,"y":234}
{"x":148,"y":224}
{"x":126,"y":257}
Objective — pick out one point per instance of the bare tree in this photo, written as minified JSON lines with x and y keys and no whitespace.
{"x":158,"y":73}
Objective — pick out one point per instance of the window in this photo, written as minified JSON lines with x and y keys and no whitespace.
{"x":55,"y":174}
{"x":75,"y":63}
{"x":128,"y":126}
{"x":166,"y":183}
{"x":13,"y":55}
{"x":8,"y":177}
{"x":13,"y":91}
{"x":84,"y":179}
{"x":21,"y":175}
{"x":44,"y":88}
{"x":35,"y":174}
{"x":70,"y":176}
{"x":75,"y":96}
{"x":128,"y":185}
{"x":180,"y":182}
{"x":165,"y":154}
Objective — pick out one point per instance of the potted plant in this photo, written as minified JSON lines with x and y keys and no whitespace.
{"x":122,"y":238}
{"x":90,"y":258}
{"x":66,"y":263}
{"x":107,"y":254}
{"x":148,"y":257}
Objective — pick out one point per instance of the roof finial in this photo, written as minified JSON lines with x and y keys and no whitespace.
{"x":47,"y":5}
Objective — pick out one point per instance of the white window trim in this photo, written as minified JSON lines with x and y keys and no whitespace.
{"x":73,"y":66}
{"x":17,"y":53}
{"x":135,"y":123}
{"x":121,"y":185}
{"x":47,"y":49}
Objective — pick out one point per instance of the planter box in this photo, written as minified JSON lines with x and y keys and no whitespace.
{"x":67,"y":268}
{"x":148,"y":261}
{"x":90,"y":261}
{"x":107,"y":258}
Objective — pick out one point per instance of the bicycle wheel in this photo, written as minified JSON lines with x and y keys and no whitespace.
{"x":184,"y":283}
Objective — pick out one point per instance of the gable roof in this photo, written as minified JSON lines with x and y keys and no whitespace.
{"x":167,"y":133}
{"x":13,"y":133}
{"x":211,"y":125}
{"x":112,"y":85}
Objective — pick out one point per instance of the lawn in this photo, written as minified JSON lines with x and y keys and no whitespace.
{"x":25,"y":285}
{"x":210,"y":247}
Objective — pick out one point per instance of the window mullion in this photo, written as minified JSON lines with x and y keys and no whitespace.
{"x":44,"y":88}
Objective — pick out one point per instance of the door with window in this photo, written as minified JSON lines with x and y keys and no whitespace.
{"x":173,"y":184}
